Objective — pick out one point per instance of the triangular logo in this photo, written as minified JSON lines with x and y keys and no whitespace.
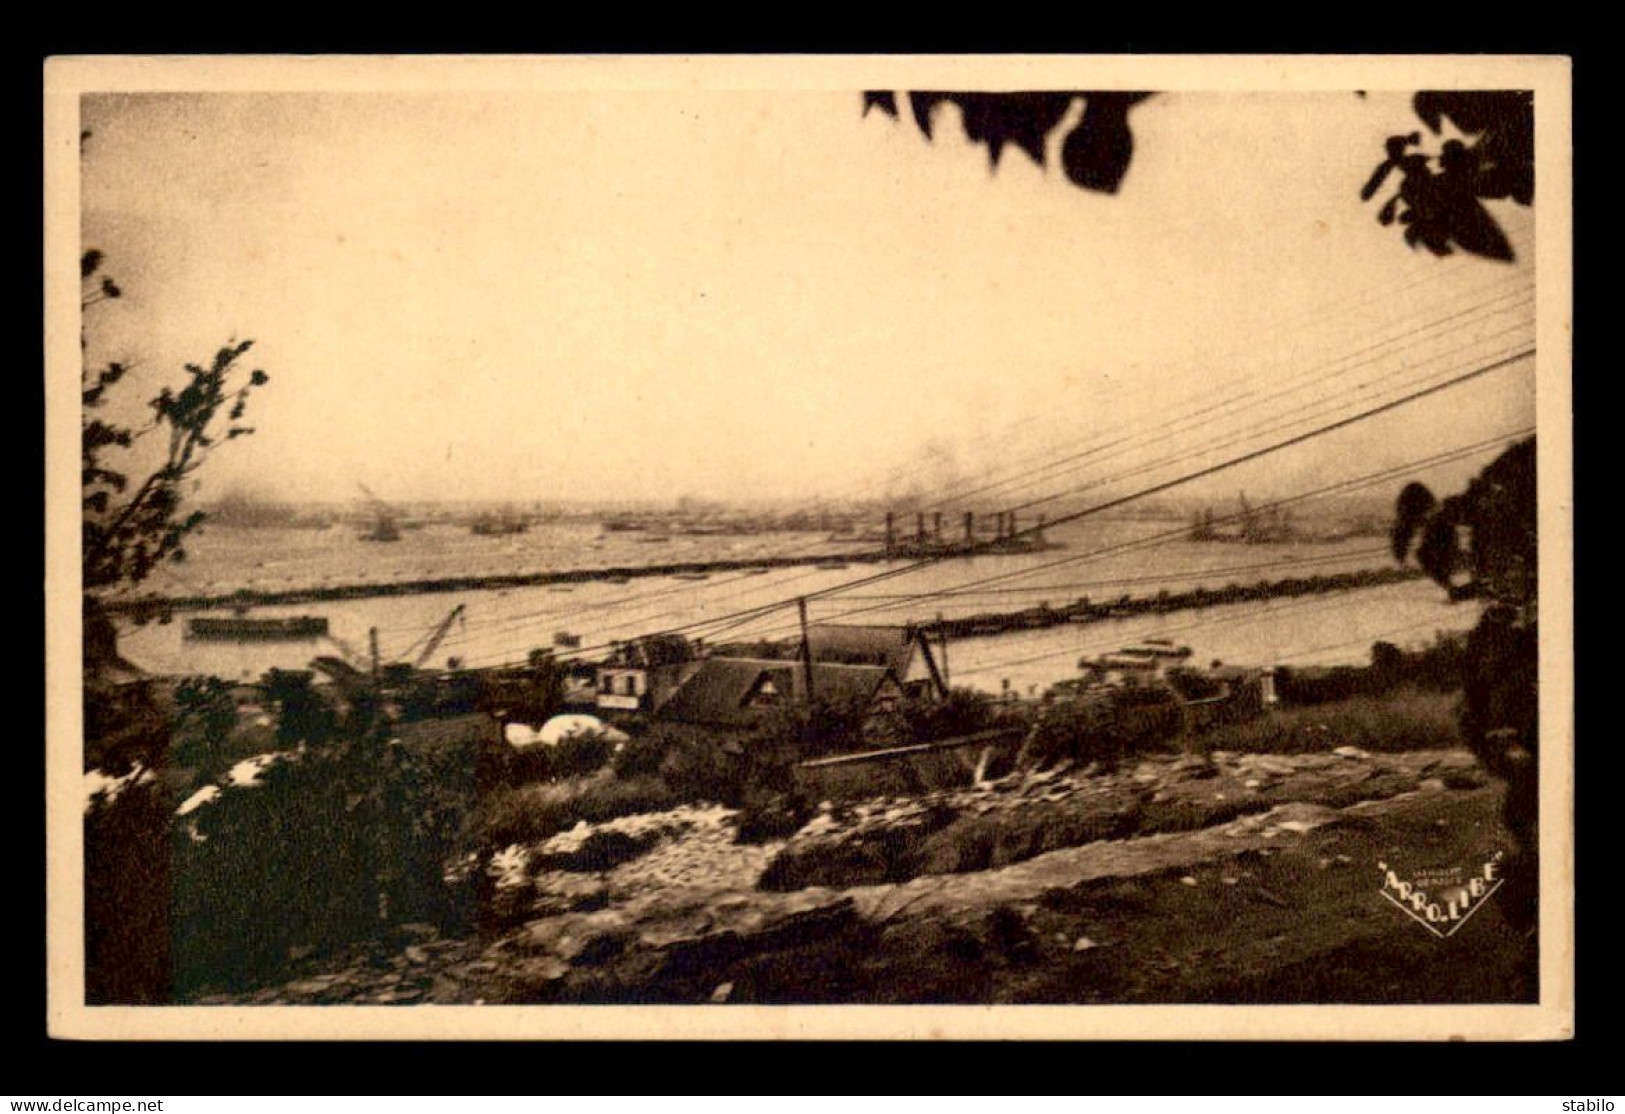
{"x":1441,"y":900}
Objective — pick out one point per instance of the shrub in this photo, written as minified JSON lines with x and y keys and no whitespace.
{"x":641,"y":755}
{"x":575,"y":755}
{"x":700,"y":767}
{"x":523,"y":814}
{"x":961,"y":712}
{"x":607,"y":797}
{"x":534,"y":812}
{"x":303,"y":716}
{"x":766,"y":815}
{"x":582,"y":753}
{"x":127,"y":897}
{"x":1409,"y":719}
{"x":328,"y":849}
{"x":1105,"y":727}
{"x":1194,"y":684}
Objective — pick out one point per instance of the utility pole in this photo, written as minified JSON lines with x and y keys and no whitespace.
{"x":372,"y":641}
{"x":806,"y":650}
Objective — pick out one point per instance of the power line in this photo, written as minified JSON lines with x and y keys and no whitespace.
{"x":1161,"y":578}
{"x":515,"y":620}
{"x":1342,"y":485}
{"x":1174,"y":424}
{"x":1334,"y":309}
{"x":1359,"y":641}
{"x":1274,"y":423}
{"x":1226,"y":465}
{"x":1154,"y":540}
{"x":1110,"y":504}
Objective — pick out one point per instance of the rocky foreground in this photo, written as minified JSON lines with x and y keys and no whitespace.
{"x":1249,"y":878}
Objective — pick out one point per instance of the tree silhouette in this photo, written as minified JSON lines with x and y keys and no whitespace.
{"x":1438,"y":202}
{"x":1443,"y":209}
{"x":1482,"y":544}
{"x":130,"y":529}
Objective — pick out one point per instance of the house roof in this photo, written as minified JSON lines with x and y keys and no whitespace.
{"x":891,"y":646}
{"x":718,"y":692}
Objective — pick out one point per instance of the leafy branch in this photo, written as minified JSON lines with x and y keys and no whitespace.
{"x":128,"y":531}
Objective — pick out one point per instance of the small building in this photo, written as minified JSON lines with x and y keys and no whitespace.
{"x":904,"y":650}
{"x":640,"y":676}
{"x":639,"y":688}
{"x":740,"y":693}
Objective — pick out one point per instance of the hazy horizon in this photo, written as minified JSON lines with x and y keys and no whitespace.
{"x":767,"y":296}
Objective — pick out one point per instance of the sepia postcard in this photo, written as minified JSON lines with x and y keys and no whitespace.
{"x":906,"y":547}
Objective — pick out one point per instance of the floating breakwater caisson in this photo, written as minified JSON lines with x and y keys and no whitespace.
{"x":248,"y":597}
{"x":1086,"y":610}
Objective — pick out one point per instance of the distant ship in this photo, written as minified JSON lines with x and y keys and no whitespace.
{"x":494,"y":525}
{"x":383,"y":530}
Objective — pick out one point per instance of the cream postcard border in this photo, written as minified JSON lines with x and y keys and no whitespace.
{"x":67,"y":78}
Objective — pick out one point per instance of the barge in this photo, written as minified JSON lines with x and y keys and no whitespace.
{"x":240,"y":628}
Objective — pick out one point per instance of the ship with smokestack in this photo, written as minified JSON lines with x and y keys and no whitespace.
{"x":998,"y":532}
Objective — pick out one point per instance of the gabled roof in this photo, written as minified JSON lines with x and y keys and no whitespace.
{"x":891,"y":646}
{"x":719,"y":692}
{"x":862,"y":645}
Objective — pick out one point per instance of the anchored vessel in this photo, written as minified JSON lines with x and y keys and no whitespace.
{"x":240,"y":628}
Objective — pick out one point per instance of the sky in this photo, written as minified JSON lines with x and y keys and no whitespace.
{"x":752,"y":295}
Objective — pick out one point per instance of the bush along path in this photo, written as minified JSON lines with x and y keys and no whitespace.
{"x":1244,"y":878}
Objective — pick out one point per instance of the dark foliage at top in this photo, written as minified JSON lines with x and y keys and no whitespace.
{"x":1442,"y":209}
{"x":1439,"y":200}
{"x":1095,"y":153}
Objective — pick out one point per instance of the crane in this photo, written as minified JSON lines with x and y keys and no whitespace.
{"x":437,"y":637}
{"x":354,"y":668}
